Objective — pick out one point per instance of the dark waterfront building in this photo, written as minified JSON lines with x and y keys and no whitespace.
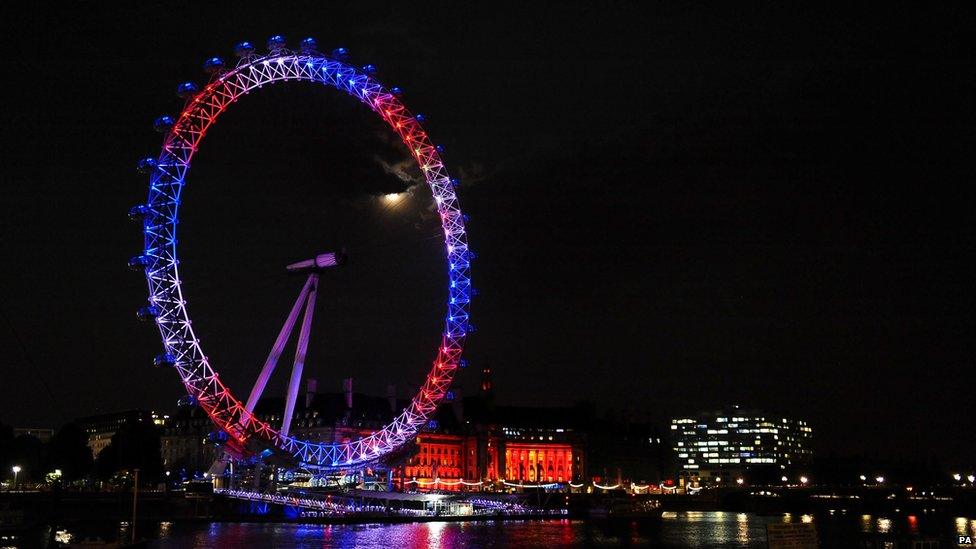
{"x":100,"y":428}
{"x":42,"y":434}
{"x":185,"y":444}
{"x":470,"y":443}
{"x":724,"y":446}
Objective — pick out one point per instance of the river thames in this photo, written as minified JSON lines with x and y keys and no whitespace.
{"x":673,"y":530}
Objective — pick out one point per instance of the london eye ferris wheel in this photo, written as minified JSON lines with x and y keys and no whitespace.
{"x":168,"y":171}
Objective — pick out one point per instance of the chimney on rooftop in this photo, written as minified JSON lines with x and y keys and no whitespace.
{"x":347,"y":389}
{"x":391,"y":397}
{"x":311,"y":385}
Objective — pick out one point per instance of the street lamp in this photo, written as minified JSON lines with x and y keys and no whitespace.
{"x":879,"y":479}
{"x":740,"y":481}
{"x":784,"y":479}
{"x":804,"y":480}
{"x":16,"y":470}
{"x":863,"y":478}
{"x":957,"y":477}
{"x":971,"y":479}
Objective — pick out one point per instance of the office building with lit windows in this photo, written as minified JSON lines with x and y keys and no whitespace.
{"x":720,"y":447}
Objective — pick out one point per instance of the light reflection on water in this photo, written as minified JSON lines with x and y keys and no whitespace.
{"x":965,"y":527}
{"x":674,"y":530}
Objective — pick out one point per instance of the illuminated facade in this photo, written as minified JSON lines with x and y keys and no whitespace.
{"x":474,"y":461}
{"x":710,"y":444}
{"x":441,"y":456}
{"x":541,"y":462}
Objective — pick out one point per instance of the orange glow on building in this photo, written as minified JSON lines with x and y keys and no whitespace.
{"x":539,"y":462}
{"x":438,"y":456}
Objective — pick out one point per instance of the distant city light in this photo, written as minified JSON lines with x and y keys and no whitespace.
{"x":740,"y":481}
{"x":957,"y":477}
{"x":804,"y":480}
{"x":392,"y":198}
{"x":971,"y":478}
{"x":784,"y":479}
{"x":863,"y":478}
{"x":879,"y":479}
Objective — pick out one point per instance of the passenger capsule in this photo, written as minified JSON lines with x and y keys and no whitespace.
{"x":187,"y":90}
{"x":472,"y":328}
{"x":308,"y":45}
{"x":137,"y":213}
{"x":419,"y":117}
{"x":276,"y":42}
{"x":243,"y":49}
{"x":369,"y":69}
{"x":440,"y":148}
{"x":187,"y":402}
{"x":148,"y":313}
{"x":138,"y":262}
{"x":217,"y":437}
{"x":146,"y":165}
{"x":340,"y":52}
{"x":164,"y":359}
{"x":465,"y":217}
{"x":449,"y":396}
{"x":455,"y":181}
{"x":395,"y":90}
{"x":473,"y":292}
{"x":163,"y":124}
{"x":213,"y":65}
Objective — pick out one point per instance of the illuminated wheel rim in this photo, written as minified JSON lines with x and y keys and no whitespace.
{"x":246,"y":432}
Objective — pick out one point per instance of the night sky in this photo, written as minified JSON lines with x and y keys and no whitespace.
{"x":674,"y":208}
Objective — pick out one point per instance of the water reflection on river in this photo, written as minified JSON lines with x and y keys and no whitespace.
{"x":673,"y":530}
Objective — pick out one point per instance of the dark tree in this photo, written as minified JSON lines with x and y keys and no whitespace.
{"x":6,"y":447}
{"x":135,"y":445}
{"x":69,"y":451}
{"x":27,"y":452}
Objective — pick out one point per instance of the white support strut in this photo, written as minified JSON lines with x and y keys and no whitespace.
{"x":296,"y":371}
{"x":276,"y":350}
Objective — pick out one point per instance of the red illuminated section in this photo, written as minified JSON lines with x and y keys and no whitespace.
{"x":457,"y":462}
{"x":439,"y":456}
{"x":541,"y":462}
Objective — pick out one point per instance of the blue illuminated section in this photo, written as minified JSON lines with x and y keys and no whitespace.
{"x":186,"y":90}
{"x":276,"y":42}
{"x":163,"y":124}
{"x":146,"y":165}
{"x":139,"y":212}
{"x":212,"y":65}
{"x":243,"y":49}
{"x":138,"y":262}
{"x":308,"y":45}
{"x":164,"y":360}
